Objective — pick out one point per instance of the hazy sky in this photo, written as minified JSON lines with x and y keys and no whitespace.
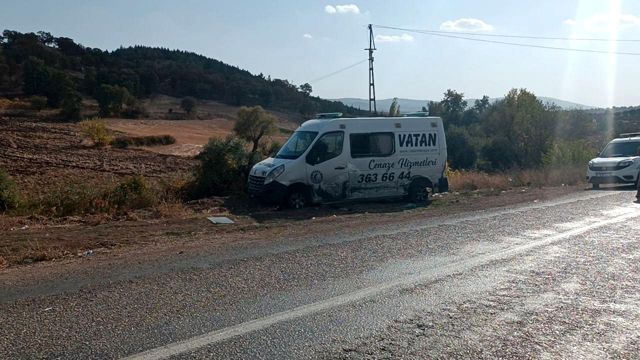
{"x":303,"y":40}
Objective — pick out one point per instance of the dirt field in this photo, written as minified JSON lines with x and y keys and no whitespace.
{"x":215,"y":120}
{"x":38,"y":155}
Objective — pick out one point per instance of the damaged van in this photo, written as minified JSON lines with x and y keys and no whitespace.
{"x":332,"y":159}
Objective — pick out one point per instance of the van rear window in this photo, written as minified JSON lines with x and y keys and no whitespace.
{"x":372,"y":144}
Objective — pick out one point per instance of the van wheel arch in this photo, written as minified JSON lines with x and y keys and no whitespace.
{"x":417,"y":190}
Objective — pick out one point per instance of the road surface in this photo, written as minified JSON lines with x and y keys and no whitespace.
{"x":550,"y":279}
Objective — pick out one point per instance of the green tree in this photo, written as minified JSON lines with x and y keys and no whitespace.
{"x":460,"y":153}
{"x":71,"y":106}
{"x":500,"y":154}
{"x":453,"y":107}
{"x":253,"y":124}
{"x":481,"y":105}
{"x":306,"y":89}
{"x":527,"y":124}
{"x":35,"y":76}
{"x":435,"y":108}
{"x":189,"y":105}
{"x":111,"y":99}
{"x":394,"y":109}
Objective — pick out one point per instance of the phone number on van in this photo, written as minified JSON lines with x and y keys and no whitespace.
{"x":372,"y":178}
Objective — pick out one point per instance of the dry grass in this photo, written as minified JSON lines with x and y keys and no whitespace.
{"x":474,"y":180}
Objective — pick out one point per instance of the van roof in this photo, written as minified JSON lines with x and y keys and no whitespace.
{"x":319,"y":124}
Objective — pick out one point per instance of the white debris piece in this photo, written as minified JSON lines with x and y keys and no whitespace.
{"x":220,"y":220}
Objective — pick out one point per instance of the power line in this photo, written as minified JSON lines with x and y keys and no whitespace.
{"x":337,"y":71}
{"x":520,"y":44}
{"x":538,"y":46}
{"x":426,"y":31}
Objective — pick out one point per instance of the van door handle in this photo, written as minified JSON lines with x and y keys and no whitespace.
{"x":340,"y":167}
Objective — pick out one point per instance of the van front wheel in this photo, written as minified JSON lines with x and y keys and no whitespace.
{"x":296,"y":199}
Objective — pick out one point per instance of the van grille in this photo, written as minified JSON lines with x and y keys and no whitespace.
{"x":256,"y":184}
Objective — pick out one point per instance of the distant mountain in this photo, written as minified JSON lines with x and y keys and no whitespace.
{"x":412,"y":105}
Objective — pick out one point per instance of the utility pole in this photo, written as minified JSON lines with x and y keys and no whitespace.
{"x":372,"y":83}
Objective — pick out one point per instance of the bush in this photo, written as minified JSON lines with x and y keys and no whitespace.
{"x":500,"y":153}
{"x":568,"y":153}
{"x":71,"y":106}
{"x":134,"y":109}
{"x":96,"y":130}
{"x":9,"y":196}
{"x":74,"y":197}
{"x":223,"y":168}
{"x":153,"y":140}
{"x":38,"y":102}
{"x":188,"y":104}
{"x":77,"y":197}
{"x":461,"y":154}
{"x":132,"y":193}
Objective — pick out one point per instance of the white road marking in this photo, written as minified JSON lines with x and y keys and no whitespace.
{"x":456,"y":267}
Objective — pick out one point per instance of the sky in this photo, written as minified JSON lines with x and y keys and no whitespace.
{"x":304,"y":40}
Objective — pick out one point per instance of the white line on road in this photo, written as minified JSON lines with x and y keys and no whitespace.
{"x":457,"y":267}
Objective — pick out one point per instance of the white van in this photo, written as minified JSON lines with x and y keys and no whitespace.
{"x":618,"y":163}
{"x":332,"y":159}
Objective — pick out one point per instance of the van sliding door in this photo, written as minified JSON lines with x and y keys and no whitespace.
{"x":373,"y":169}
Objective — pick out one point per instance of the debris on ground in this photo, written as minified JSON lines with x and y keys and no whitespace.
{"x":220,"y":220}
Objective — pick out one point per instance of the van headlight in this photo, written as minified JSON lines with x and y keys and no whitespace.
{"x":625,"y":163}
{"x":273,"y":174}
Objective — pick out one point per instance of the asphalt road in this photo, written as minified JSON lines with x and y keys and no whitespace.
{"x":554,"y":279}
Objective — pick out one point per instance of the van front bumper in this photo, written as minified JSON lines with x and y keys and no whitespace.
{"x":271,"y":193}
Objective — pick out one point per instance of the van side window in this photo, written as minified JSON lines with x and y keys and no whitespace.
{"x":372,"y":145}
{"x":327,"y":147}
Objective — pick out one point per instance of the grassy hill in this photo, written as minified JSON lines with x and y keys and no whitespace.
{"x":55,"y":67}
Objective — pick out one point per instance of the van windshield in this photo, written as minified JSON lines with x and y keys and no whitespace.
{"x":621,"y":149}
{"x":296,"y":145}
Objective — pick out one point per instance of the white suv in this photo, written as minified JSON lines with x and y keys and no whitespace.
{"x":618,"y":163}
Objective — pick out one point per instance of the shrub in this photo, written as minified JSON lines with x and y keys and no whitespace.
{"x":132,"y":193}
{"x":77,"y":197}
{"x":461,"y":154}
{"x":153,"y":140}
{"x":223,"y":168}
{"x":96,"y":130}
{"x":71,"y":106}
{"x":188,"y":104}
{"x":568,"y":153}
{"x":134,"y":109}
{"x":500,"y":153}
{"x":70,"y":198}
{"x":38,"y":102}
{"x":9,"y":196}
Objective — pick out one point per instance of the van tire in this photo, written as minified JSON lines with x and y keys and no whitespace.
{"x":297,"y":199}
{"x":418,"y":193}
{"x":595,"y":186}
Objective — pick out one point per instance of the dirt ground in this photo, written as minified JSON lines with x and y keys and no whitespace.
{"x":26,"y":241}
{"x":38,"y":155}
{"x":214,"y":120}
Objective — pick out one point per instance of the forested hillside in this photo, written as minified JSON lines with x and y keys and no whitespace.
{"x":62,"y":70}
